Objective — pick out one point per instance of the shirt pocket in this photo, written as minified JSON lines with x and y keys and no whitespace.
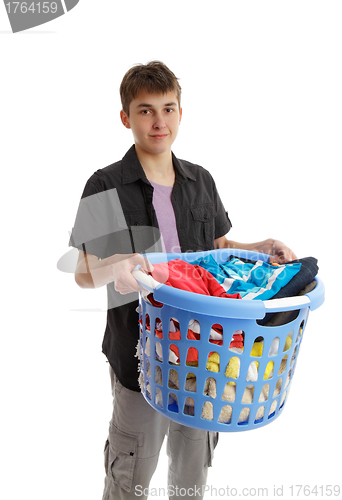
{"x":202,"y":227}
{"x":120,"y":458}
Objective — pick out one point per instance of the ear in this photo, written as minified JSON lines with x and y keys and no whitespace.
{"x":124,"y":119}
{"x":180,"y":114}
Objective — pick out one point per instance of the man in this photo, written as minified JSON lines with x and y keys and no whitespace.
{"x":148,"y":201}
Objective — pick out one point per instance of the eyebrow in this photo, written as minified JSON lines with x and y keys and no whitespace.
{"x":145,"y":105}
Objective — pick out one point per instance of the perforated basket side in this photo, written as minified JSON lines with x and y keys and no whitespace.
{"x":155,"y":393}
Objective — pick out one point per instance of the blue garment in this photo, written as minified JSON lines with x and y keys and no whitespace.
{"x":260,"y":281}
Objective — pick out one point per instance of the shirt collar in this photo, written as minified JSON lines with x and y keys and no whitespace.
{"x":132,"y":170}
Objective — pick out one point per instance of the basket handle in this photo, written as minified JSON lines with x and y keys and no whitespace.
{"x":286,"y":303}
{"x":145,"y":280}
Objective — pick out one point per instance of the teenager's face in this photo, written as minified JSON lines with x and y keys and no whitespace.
{"x":154,"y":120}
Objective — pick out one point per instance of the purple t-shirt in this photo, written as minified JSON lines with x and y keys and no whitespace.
{"x":166,"y":217}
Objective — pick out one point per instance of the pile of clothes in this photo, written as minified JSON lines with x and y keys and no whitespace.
{"x":237,"y":278}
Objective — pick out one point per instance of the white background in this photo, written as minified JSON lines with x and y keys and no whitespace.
{"x":262,"y":111}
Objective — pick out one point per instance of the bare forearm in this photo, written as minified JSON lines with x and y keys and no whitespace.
{"x":224,"y":243}
{"x":91,"y":273}
{"x":94,"y":273}
{"x":265,"y":246}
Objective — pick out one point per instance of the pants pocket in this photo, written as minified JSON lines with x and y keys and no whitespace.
{"x":212,"y":443}
{"x":120,"y":457}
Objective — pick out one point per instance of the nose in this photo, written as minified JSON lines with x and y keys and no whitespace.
{"x":159,"y":122}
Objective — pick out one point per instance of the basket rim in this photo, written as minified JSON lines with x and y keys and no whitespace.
{"x":222,"y":306}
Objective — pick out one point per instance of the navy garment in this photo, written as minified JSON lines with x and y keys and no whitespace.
{"x":307,"y":273}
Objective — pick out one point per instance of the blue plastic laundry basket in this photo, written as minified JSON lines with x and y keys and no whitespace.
{"x":230,"y":399}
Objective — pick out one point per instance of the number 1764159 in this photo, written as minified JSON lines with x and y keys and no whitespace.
{"x":31,"y":7}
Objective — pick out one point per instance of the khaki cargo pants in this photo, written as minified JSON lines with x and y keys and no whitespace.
{"x":136,"y":434}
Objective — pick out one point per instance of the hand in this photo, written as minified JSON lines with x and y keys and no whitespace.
{"x":122,"y":266}
{"x":280,"y":253}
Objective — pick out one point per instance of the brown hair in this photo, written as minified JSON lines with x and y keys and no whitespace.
{"x":154,"y":77}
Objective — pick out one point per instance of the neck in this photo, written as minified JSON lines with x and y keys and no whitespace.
{"x":158,"y":168}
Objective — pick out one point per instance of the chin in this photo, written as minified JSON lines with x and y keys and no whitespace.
{"x":159,"y":149}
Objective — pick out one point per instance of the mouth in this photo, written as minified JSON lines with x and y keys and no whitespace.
{"x":159,"y":136}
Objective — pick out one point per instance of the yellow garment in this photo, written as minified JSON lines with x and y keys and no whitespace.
{"x":213,"y":367}
{"x":269,"y":370}
{"x":288,"y":343}
{"x":213,"y":363}
{"x":257,"y":349}
{"x":233,"y":368}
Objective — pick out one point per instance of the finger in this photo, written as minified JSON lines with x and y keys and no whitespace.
{"x":144,"y":263}
{"x":278,"y":258}
{"x":290,"y":256}
{"x":149,"y":266}
{"x":128,"y":286}
{"x":126,"y":290}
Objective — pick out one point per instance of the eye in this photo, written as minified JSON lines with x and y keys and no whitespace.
{"x":169,"y":110}
{"x":145,"y":111}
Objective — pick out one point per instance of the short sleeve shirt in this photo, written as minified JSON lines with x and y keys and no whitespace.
{"x":116,"y":216}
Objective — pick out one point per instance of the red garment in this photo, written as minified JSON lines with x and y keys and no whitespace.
{"x":192,"y":278}
{"x":237,"y":341}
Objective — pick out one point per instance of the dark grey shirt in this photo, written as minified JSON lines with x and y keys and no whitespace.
{"x":116,"y":215}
